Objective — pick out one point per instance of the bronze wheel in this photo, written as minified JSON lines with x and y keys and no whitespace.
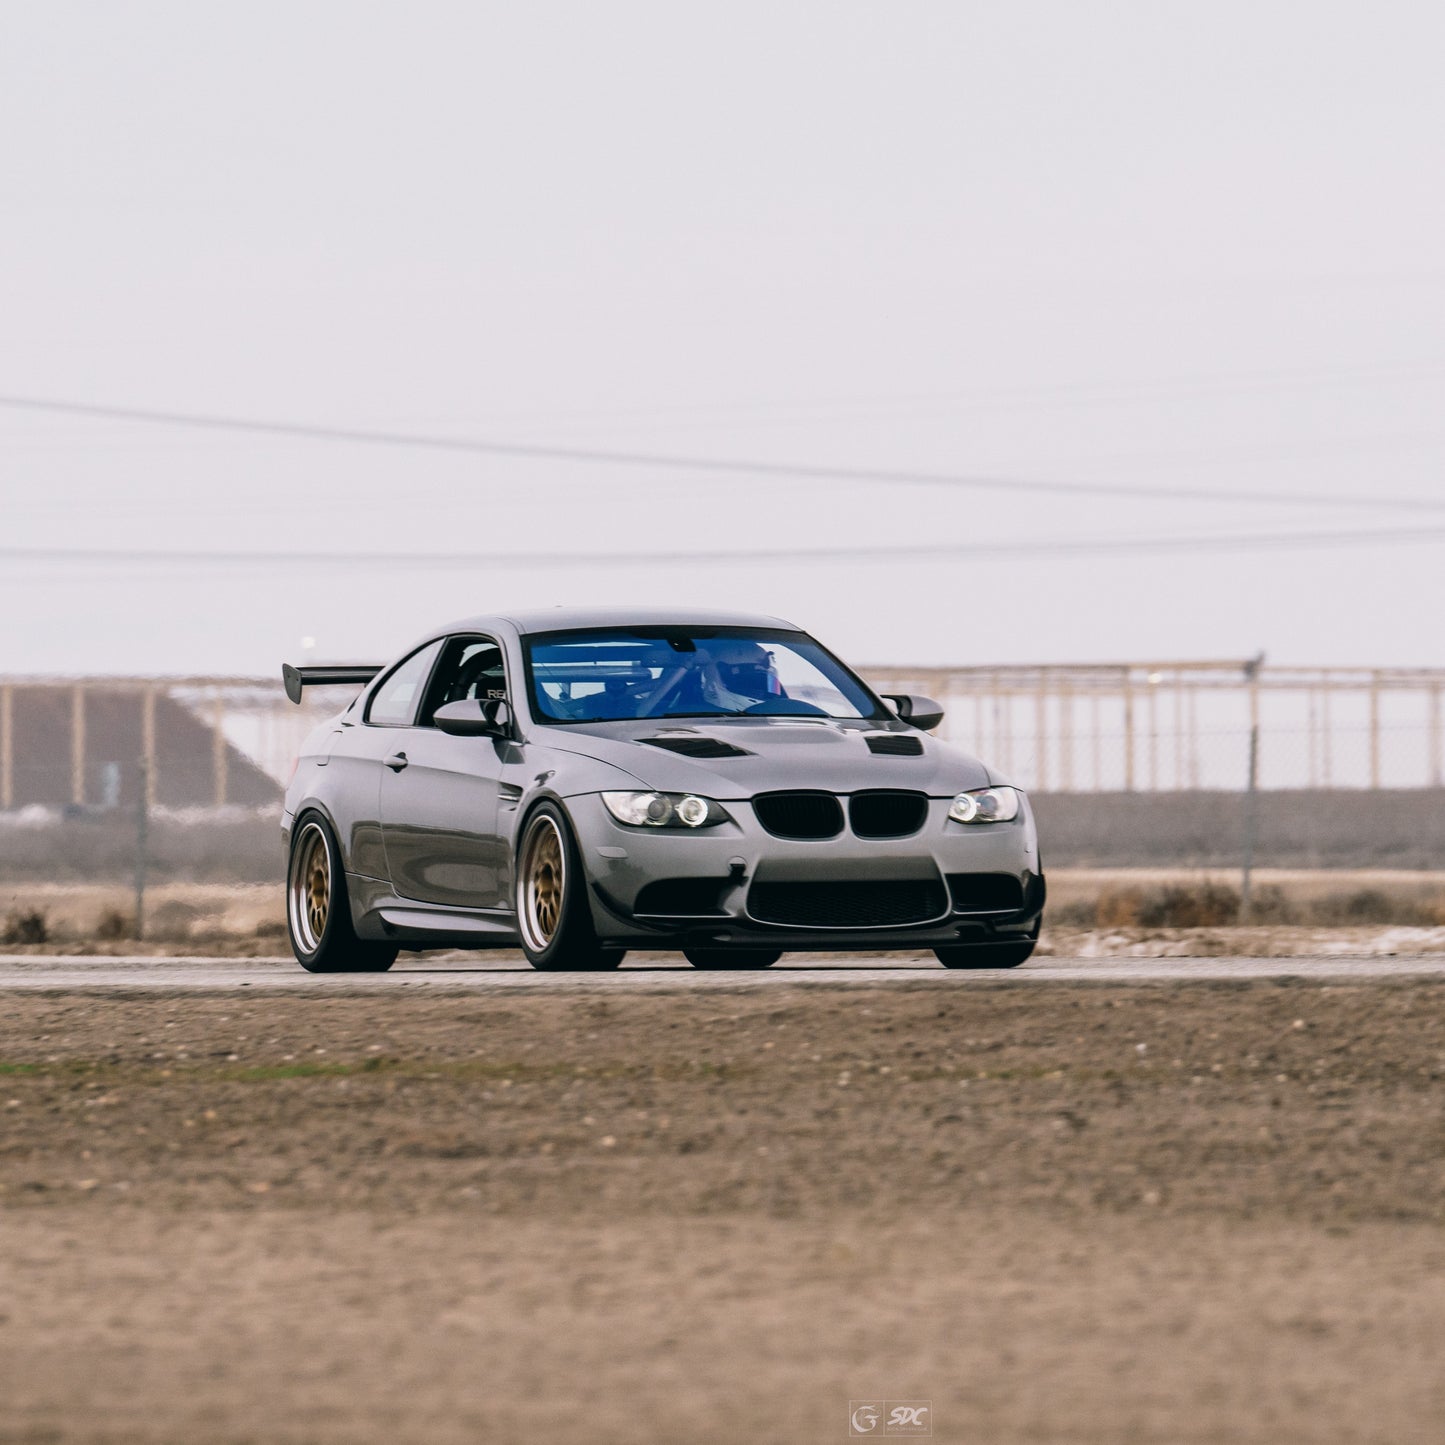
{"x":553,"y":917}
{"x":542,"y":883}
{"x":310,"y":892}
{"x":318,"y":910}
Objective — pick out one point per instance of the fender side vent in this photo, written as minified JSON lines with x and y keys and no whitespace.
{"x":895,"y":745}
{"x":698,"y":747}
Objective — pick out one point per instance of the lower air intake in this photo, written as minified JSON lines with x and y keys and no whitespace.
{"x":986,"y":893}
{"x":799,"y":814}
{"x":680,"y":898}
{"x":848,"y":905}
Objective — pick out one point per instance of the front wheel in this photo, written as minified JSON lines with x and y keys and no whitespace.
{"x":552,"y":914}
{"x":986,"y":955}
{"x":318,"y":912}
{"x":732,"y":957}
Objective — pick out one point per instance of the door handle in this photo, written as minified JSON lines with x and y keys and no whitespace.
{"x":396,"y":762}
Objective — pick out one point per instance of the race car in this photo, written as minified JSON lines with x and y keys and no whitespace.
{"x":581,"y":784}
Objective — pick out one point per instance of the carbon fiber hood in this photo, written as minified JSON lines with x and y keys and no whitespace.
{"x":772,"y":753}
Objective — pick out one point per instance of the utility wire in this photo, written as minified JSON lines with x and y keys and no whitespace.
{"x":978,"y":551}
{"x":592,"y":456}
{"x":1027,"y":397}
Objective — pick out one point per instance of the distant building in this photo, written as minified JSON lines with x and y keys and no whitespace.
{"x":84,"y":744}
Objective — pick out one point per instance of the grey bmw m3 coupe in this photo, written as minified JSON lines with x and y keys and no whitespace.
{"x":581,"y":784}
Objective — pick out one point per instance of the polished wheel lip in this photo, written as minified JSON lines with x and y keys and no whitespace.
{"x":308,"y":898}
{"x":541,"y":884}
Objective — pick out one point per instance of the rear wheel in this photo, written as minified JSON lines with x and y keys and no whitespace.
{"x":553,"y":919}
{"x":732,"y":957}
{"x":986,"y":955}
{"x":318,"y":911}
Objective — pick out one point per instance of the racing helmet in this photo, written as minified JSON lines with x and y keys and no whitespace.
{"x":745,"y":667}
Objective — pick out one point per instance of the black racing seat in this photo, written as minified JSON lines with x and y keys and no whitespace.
{"x":482,"y":676}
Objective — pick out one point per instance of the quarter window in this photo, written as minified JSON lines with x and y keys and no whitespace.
{"x":394,"y":703}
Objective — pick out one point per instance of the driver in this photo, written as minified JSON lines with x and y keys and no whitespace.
{"x":739,"y":674}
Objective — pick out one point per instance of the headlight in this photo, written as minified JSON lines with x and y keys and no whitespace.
{"x":664,"y":810}
{"x":986,"y":805}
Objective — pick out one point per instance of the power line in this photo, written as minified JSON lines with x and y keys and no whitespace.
{"x":977,"y":551}
{"x":593,"y":456}
{"x":1034,"y":396}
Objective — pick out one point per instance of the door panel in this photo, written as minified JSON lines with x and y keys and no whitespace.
{"x":439,"y":818}
{"x":352,"y":791}
{"x":353,"y":764}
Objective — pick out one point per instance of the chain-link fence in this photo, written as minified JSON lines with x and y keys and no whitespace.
{"x":1128,"y":765}
{"x":1176,"y":727}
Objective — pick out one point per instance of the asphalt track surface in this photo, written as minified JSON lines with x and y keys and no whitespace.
{"x":81,"y":974}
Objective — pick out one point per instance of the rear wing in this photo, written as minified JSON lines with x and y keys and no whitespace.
{"x":296,"y":678}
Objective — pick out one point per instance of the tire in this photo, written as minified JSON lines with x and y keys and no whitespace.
{"x":553,"y":920}
{"x":732,"y":957}
{"x":318,"y":910}
{"x":986,"y":955}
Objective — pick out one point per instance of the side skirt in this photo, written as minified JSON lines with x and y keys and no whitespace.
{"x":379,"y":914}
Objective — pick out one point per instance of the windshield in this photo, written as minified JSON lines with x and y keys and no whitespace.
{"x":713,"y":672}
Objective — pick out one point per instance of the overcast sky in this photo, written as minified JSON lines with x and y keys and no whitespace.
{"x":1154,"y":246}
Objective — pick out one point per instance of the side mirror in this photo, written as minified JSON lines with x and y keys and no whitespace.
{"x":922,"y":712}
{"x":474,"y":718}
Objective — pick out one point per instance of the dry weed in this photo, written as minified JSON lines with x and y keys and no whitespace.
{"x":26,"y":926}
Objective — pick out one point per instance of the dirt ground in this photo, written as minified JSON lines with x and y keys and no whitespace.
{"x":1173,"y":1214}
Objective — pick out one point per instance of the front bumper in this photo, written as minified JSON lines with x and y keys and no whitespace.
{"x":722,"y":865}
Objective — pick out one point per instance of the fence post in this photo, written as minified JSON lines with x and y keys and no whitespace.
{"x":1375,"y":731}
{"x":1194,"y":769}
{"x":1327,"y":738}
{"x":1314,"y":739}
{"x":1003,"y":726}
{"x":1435,"y":757}
{"x":1251,"y":826}
{"x":1128,"y":737}
{"x":1153,"y":732}
{"x":1095,"y":746}
{"x":1251,"y":797}
{"x":1041,"y":745}
{"x":1066,"y":736}
{"x":77,"y":744}
{"x":218,"y":748}
{"x":7,"y":746}
{"x":148,"y":744}
{"x":1178,"y":732}
{"x":142,"y":839}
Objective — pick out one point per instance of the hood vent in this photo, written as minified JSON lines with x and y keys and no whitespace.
{"x":698,"y":747}
{"x":895,"y":745}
